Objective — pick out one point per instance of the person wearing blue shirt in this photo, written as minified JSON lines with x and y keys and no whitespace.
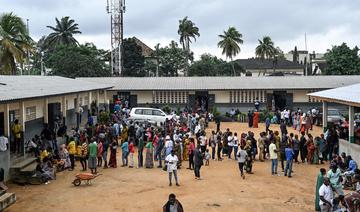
{"x":289,"y":154}
{"x":267,"y":124}
{"x":352,"y":166}
{"x":125,"y":152}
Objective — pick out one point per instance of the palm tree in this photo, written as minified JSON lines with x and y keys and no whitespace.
{"x":14,"y":43}
{"x":63,"y":33}
{"x":265,"y":49}
{"x":230,"y":41}
{"x":187,"y":30}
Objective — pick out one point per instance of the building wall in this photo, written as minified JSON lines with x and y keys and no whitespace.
{"x":221,"y":96}
{"x":350,"y":149}
{"x":5,"y":162}
{"x":143,"y":97}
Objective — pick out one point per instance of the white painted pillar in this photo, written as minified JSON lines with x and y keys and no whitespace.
{"x":97,"y":99}
{"x":90,"y":99}
{"x":351,"y":124}
{"x":6,"y":121}
{"x":63,"y":106}
{"x":22,"y":114}
{"x":77,"y":106}
{"x":105,"y":100}
{"x":46,"y":111}
{"x":325,"y":115}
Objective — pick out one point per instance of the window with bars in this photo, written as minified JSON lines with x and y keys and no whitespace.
{"x":170,"y":97}
{"x":30,"y":113}
{"x":247,"y":96}
{"x":311,"y":99}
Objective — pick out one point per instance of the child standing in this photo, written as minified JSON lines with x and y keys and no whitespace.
{"x":207,"y":157}
{"x":99,"y":153}
{"x":132,"y":151}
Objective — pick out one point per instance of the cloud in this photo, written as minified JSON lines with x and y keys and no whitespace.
{"x":325,"y":22}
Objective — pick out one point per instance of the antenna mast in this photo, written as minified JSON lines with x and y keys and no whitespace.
{"x":116,"y":8}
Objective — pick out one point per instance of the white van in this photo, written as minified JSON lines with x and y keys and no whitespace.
{"x":151,"y":115}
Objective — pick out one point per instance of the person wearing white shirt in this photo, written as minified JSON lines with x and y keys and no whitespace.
{"x":326,"y":196}
{"x":236,"y":142}
{"x":273,"y":156}
{"x":171,"y":161}
{"x":4,"y":142}
{"x":230,"y":139}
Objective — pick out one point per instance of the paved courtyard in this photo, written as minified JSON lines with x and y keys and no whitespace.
{"x":222,"y":189}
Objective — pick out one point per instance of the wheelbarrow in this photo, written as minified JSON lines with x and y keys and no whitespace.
{"x":84,"y":177}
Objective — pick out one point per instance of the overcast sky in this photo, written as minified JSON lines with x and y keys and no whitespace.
{"x":326,"y":22}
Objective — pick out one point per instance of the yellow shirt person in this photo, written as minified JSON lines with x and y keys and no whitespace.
{"x":72,"y":147}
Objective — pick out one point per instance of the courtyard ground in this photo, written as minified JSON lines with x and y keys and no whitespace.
{"x":222,"y":189}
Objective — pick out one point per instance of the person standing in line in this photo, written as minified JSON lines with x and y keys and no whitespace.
{"x":296,"y":147}
{"x":72,"y":151}
{"x":303,"y":148}
{"x":191,"y":153}
{"x":131,"y":151}
{"x":326,"y":196}
{"x":230,"y":140}
{"x":105,"y":151}
{"x":273,"y":157}
{"x":17,"y":130}
{"x":171,"y":161}
{"x":99,"y":153}
{"x":283,"y":144}
{"x":198,"y":162}
{"x":140,"y":151}
{"x":149,"y":159}
{"x":125,"y":152}
{"x":212,"y":142}
{"x":235,"y":145}
{"x":219,"y":145}
{"x":267,"y":124}
{"x":160,"y":147}
{"x":261,"y":142}
{"x":289,"y":154}
{"x":92,"y":156}
{"x":84,"y":154}
{"x":241,"y":156}
{"x":113,"y":150}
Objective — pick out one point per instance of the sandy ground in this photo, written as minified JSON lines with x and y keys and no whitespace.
{"x":222,"y":189}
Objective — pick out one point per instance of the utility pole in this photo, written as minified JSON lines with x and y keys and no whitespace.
{"x":116,"y":8}
{"x":27,"y":51}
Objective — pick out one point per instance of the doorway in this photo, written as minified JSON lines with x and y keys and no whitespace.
{"x":2,"y":123}
{"x":54,"y":116}
{"x":201,"y":101}
{"x":280,"y":99}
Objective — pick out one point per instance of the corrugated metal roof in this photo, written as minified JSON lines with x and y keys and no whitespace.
{"x":346,"y":95}
{"x":23,"y":87}
{"x":225,"y":83}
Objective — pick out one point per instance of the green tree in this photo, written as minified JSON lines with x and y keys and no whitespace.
{"x":230,"y":41}
{"x":63,"y":33}
{"x":265,"y":49}
{"x":187,"y":31}
{"x":171,"y":59}
{"x":342,"y":60}
{"x":209,"y":65}
{"x":134,"y":61}
{"x":14,"y":43}
{"x":78,"y":61}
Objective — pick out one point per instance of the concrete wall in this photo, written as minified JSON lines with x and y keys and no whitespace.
{"x":221,"y":96}
{"x":350,"y":149}
{"x":5,"y":162}
{"x":300,"y":96}
{"x":143,"y":97}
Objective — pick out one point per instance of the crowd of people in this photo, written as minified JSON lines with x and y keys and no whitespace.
{"x":182,"y":142}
